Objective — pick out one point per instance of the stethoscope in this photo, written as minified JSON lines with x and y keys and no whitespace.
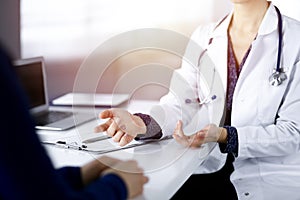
{"x":276,"y":78}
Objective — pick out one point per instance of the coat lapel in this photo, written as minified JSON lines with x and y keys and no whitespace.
{"x":268,"y":25}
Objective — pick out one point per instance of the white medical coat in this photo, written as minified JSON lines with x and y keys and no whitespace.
{"x":266,"y":117}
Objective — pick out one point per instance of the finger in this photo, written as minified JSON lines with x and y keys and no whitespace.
{"x":103,"y":127}
{"x":106,"y":114}
{"x":180,"y":140}
{"x":117,"y":137}
{"x":201,"y":135}
{"x":198,"y":140}
{"x":145,"y":179}
{"x":139,"y":170}
{"x":111,"y":131}
{"x":177,"y":138}
{"x":107,"y":160}
{"x":178,"y":130}
{"x":125,"y":139}
{"x":118,"y":122}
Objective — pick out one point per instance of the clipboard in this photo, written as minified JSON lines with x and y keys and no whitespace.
{"x":102,"y":146}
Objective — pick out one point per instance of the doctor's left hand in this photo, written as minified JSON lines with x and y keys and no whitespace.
{"x":122,"y":126}
{"x":210,"y":133}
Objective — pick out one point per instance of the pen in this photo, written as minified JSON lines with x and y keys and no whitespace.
{"x":91,"y":140}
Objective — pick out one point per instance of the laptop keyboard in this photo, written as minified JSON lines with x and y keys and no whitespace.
{"x":50,"y":117}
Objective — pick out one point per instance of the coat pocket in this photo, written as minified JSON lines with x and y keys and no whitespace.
{"x":280,"y":173}
{"x":269,"y":101}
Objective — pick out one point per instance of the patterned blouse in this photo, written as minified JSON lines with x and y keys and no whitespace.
{"x":233,"y":70}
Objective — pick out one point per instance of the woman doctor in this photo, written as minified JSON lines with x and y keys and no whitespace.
{"x":256,"y":51}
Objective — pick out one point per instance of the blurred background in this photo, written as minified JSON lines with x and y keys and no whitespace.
{"x":64,"y":32}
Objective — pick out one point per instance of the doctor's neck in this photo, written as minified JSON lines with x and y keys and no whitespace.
{"x":248,"y":14}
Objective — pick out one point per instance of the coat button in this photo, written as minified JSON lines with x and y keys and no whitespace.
{"x":246,"y":193}
{"x":188,"y":101}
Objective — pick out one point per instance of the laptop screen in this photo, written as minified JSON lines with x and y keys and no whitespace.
{"x":31,"y":74}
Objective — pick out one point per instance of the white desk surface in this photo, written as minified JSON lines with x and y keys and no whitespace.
{"x":167,"y":164}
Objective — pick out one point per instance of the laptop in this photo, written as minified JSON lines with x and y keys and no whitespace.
{"x":88,"y":99}
{"x":31,"y":72}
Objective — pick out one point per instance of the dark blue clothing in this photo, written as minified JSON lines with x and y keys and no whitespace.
{"x":26,"y":172}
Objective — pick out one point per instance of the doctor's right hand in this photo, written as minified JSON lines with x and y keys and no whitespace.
{"x":122,"y":126}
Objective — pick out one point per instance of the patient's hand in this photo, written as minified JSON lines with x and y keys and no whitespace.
{"x":129,"y":171}
{"x":122,"y":126}
{"x":132,"y":175}
{"x":92,"y":170}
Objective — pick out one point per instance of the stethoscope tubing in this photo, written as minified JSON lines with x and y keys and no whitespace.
{"x":278,"y":68}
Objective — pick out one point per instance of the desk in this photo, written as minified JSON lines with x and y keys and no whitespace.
{"x":167,"y":164}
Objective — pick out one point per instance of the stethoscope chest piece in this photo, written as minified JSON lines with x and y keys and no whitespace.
{"x":277,"y":78}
